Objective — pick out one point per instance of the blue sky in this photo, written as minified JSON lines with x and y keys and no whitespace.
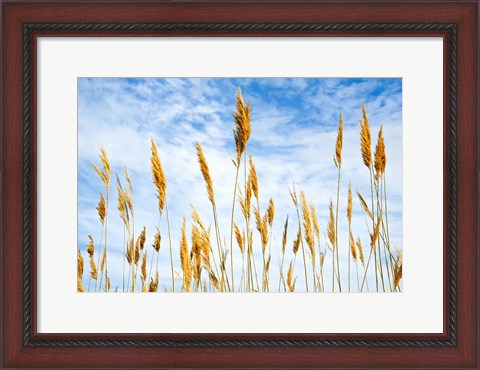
{"x":294,"y":128}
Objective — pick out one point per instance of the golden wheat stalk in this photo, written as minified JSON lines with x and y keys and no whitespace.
{"x":338,"y":163}
{"x":380,"y":157}
{"x":316,"y":229}
{"x":243,"y":128}
{"x":294,"y":196}
{"x":365,"y":139}
{"x":337,"y":158}
{"x":332,"y":237}
{"x":366,"y":151}
{"x":143,"y":275}
{"x":79,"y":272}
{"x":241,"y":135}
{"x":211,"y":196}
{"x":380,"y":167}
{"x":196,"y":255}
{"x":93,"y":268}
{"x":185,"y":258}
{"x":159,"y":179}
{"x":105,"y":176}
{"x":160,"y":182}
{"x":284,"y":246}
{"x":309,"y":238}
{"x":290,"y":281}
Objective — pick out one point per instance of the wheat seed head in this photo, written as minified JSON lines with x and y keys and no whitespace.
{"x":253,"y":178}
{"x":307,"y":224}
{"x":158,"y":174}
{"x":284,"y":238}
{"x":141,"y":239}
{"x":101,"y":208}
{"x":79,"y":264}
{"x":93,"y":268}
{"x":128,"y":200}
{"x":331,"y":226}
{"x":129,"y":180}
{"x":121,"y":205}
{"x":293,"y":194}
{"x":184,"y":257}
{"x":248,"y":195}
{"x":296,"y":242}
{"x":398,"y":276}
{"x":243,"y":128}
{"x":105,"y":162}
{"x":239,"y":237}
{"x":261,"y":224}
{"x":360,"y":251}
{"x":157,"y":240}
{"x":316,"y":227}
{"x":271,"y":212}
{"x":105,"y":174}
{"x":352,"y":246}
{"x":338,"y":145}
{"x":365,"y":139}
{"x":79,"y":272}
{"x":144,"y":266}
{"x":205,"y":173}
{"x":290,"y":283}
{"x":90,"y":246}
{"x":364,"y":205}
{"x":153,"y":286}
{"x":349,"y":204}
{"x":196,"y":218}
{"x":380,"y":155}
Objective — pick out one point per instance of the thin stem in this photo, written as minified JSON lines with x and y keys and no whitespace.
{"x":170,"y":243}
{"x":231,"y":222}
{"x":336,"y":229}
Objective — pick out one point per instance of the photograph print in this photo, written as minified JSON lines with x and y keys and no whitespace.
{"x":245,"y":185}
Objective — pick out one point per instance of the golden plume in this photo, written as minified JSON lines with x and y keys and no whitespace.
{"x":239,"y":237}
{"x":243,"y":128}
{"x":158,"y":174}
{"x":349,"y":205}
{"x":316,"y":228}
{"x":101,"y":208}
{"x":270,"y":212}
{"x":284,"y":239}
{"x":290,"y":283}
{"x":337,"y":159}
{"x":380,"y":155}
{"x":143,"y":275}
{"x":105,"y":174}
{"x":352,"y":247}
{"x":296,"y":242}
{"x":365,"y":139}
{"x":253,"y":178}
{"x":360,"y":251}
{"x":364,"y":205}
{"x":184,"y":257}
{"x":206,"y":173}
{"x":79,"y":272}
{"x":156,"y":240}
{"x":331,"y":226}
{"x":307,"y":225}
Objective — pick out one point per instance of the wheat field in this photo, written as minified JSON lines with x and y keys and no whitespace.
{"x":256,"y":248}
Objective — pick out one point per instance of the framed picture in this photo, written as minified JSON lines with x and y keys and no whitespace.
{"x":240,"y":184}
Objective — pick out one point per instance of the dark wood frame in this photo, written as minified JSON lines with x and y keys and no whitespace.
{"x":22,"y":346}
